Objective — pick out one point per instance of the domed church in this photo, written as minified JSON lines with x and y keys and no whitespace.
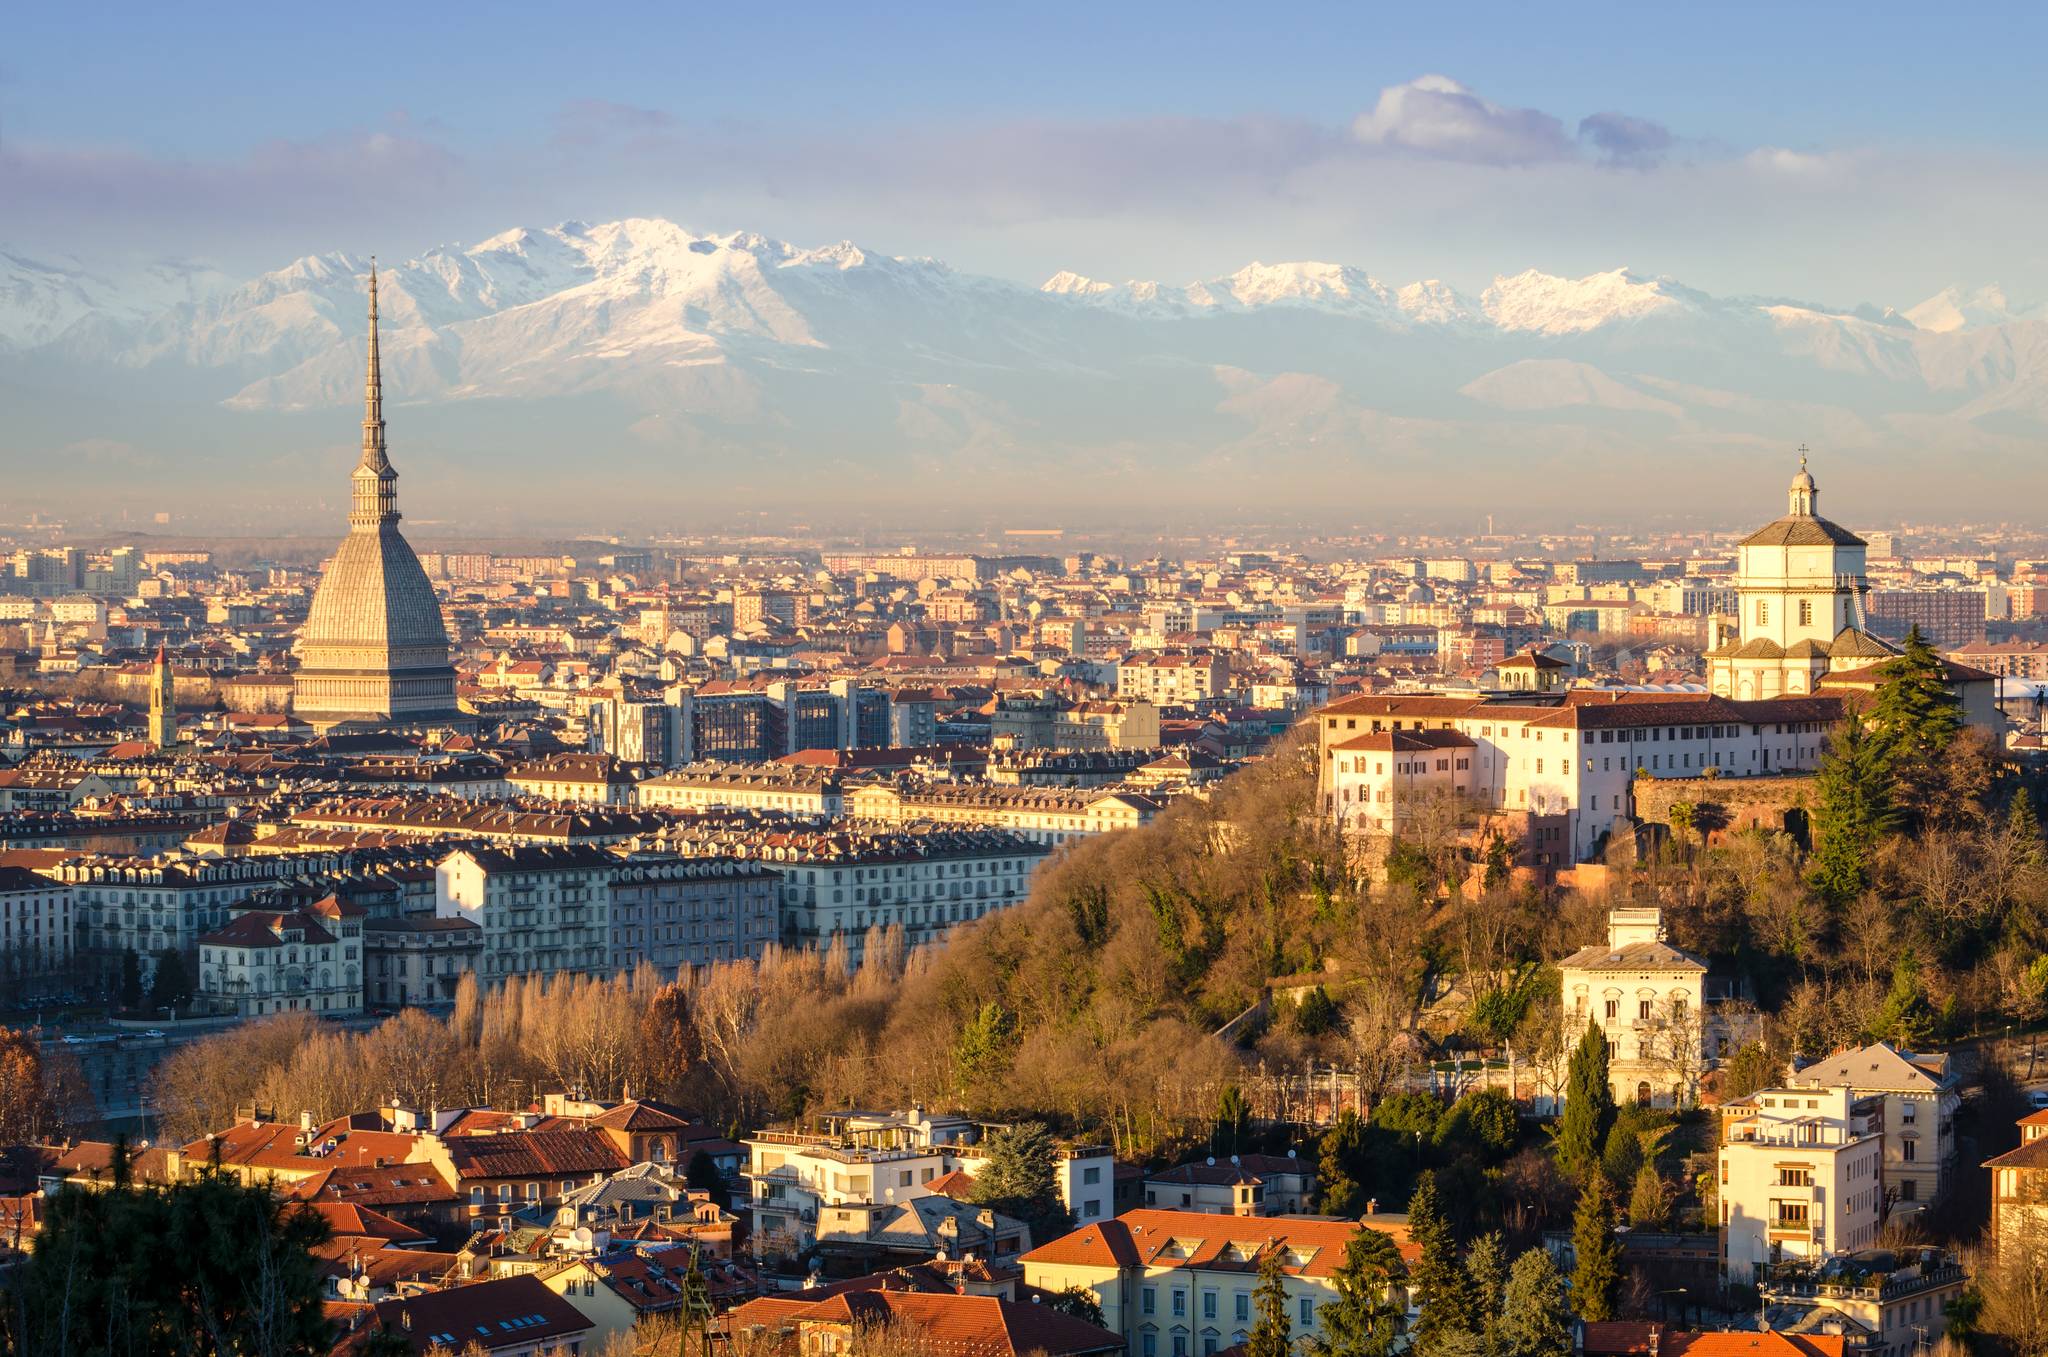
{"x":373,"y":654}
{"x":1800,"y":584}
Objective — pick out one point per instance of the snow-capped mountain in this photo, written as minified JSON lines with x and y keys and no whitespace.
{"x":660,"y":348}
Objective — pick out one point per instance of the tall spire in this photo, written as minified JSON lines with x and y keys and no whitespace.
{"x":374,"y":486}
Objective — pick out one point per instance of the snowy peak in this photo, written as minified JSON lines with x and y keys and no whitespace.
{"x":1545,"y":304}
{"x":1953,"y":309}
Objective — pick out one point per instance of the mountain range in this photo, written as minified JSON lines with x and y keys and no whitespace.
{"x":689,"y":373}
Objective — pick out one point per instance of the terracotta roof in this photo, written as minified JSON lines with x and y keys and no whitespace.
{"x":513,"y":1311}
{"x":1157,"y":1238}
{"x":1803,"y":530}
{"x":533,"y":1154}
{"x":946,"y":1325}
{"x":1724,"y":1343}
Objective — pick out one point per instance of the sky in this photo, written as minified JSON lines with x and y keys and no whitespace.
{"x":1866,"y":153}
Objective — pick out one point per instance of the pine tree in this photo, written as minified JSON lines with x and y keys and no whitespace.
{"x":1442,"y":1288}
{"x":1341,"y":1154}
{"x":1270,"y":1335}
{"x":1486,"y":1267}
{"x":1018,"y":1178}
{"x":1588,"y":1104}
{"x":1907,"y":1017}
{"x":1854,"y":787}
{"x":1535,"y":1319}
{"x":171,"y":985}
{"x":985,"y":1046}
{"x":1915,"y":715}
{"x":1370,"y":1309}
{"x":1596,"y":1277}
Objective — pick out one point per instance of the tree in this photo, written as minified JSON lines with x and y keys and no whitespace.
{"x":985,"y":1047}
{"x":1341,"y":1156}
{"x":1484,"y":1123}
{"x":1442,"y":1289}
{"x":702,"y":1175}
{"x":129,"y":990}
{"x":1907,"y":1018}
{"x":1649,"y":1201}
{"x":669,"y":1048}
{"x":28,"y":1105}
{"x":1019,"y":1178}
{"x":1233,"y":1121}
{"x":1078,"y":1301}
{"x":1315,"y":1014}
{"x":1370,"y":1309}
{"x":1588,"y":1104}
{"x":1270,"y":1335}
{"x":1486,"y":1265}
{"x":1596,"y":1274}
{"x":1855,"y":812}
{"x":2008,"y":1299}
{"x":207,"y":1267}
{"x":1914,"y":718}
{"x":1535,"y":1319}
{"x":172,"y":983}
{"x":1752,"y":1067}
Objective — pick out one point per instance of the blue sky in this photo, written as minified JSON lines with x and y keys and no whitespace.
{"x":1849,"y":153}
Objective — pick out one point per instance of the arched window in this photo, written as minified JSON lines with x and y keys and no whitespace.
{"x":1643,"y":1094}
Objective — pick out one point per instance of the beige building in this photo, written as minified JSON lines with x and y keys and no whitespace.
{"x":1382,"y":779}
{"x":1172,"y":678}
{"x":1648,"y":997}
{"x":1920,"y":1101}
{"x":1045,"y":815}
{"x":2019,"y":1188}
{"x":1181,"y":1283}
{"x":1801,"y":1178}
{"x":286,"y":961}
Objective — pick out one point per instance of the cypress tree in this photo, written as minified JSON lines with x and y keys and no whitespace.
{"x":1596,"y":1277}
{"x":1588,"y":1104}
{"x":1535,"y":1319}
{"x":1366,"y":1318}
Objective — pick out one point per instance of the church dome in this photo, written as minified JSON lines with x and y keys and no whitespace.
{"x":374,"y":650}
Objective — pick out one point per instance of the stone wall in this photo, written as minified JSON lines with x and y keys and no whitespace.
{"x":1728,"y":805}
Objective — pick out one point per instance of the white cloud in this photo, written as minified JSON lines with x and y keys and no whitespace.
{"x":1434,"y":115}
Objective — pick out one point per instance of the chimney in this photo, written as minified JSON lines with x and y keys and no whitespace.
{"x":1372,"y":1206}
{"x":305,"y":1120}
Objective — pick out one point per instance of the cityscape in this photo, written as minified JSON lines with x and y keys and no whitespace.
{"x":1283,"y":816}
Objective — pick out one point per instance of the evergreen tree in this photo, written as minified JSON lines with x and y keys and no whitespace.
{"x":1341,"y":1153}
{"x":1442,"y":1288}
{"x":1535,"y":1319}
{"x":1233,"y":1121}
{"x":172,"y":984}
{"x":1914,"y":714}
{"x":985,"y":1046}
{"x":1907,"y":1017}
{"x":1019,"y":1177}
{"x":1315,"y":1014}
{"x":1370,"y":1310}
{"x":1596,"y":1277}
{"x":1486,"y":1267}
{"x":1855,"y":812}
{"x":129,"y":992}
{"x":1588,"y":1104}
{"x":1270,"y":1335}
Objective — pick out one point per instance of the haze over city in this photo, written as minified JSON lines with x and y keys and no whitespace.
{"x":1549,"y":247}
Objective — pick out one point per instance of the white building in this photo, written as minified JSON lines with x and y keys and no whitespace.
{"x":1648,"y":998}
{"x":1799,"y":590}
{"x":1801,"y":1177}
{"x":795,"y":788}
{"x":286,"y":961}
{"x":870,"y":1160}
{"x":1920,"y":1101}
{"x":542,"y":909}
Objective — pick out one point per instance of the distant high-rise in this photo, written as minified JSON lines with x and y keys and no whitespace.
{"x":374,"y":651}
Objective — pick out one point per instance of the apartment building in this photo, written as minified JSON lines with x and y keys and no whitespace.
{"x":678,"y":912}
{"x":1045,"y":815}
{"x":1242,"y":1185}
{"x":1801,"y":1178}
{"x":2019,"y":1188}
{"x":418,"y":959}
{"x":542,"y":910}
{"x":806,"y":1186}
{"x":1920,"y":1098}
{"x":35,"y":925}
{"x":1172,"y":678}
{"x":794,"y":788}
{"x":1182,"y":1283}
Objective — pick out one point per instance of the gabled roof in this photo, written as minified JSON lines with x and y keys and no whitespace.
{"x":946,"y":1325}
{"x":533,"y":1154}
{"x":1878,"y":1067}
{"x":517,"y":1310}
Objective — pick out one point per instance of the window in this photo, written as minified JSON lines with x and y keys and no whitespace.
{"x":1241,"y":1309}
{"x":1909,"y":1150}
{"x":1613,"y":1009}
{"x":1091,"y":1176}
{"x":1763,"y":611}
{"x":1148,"y":1300}
{"x":1149,"y":1345}
{"x":1795,"y":1175}
{"x":1308,"y":1311}
{"x":1643,"y":1010}
{"x":1805,"y":612}
{"x":1208,"y":1305}
{"x":1180,"y":1304}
